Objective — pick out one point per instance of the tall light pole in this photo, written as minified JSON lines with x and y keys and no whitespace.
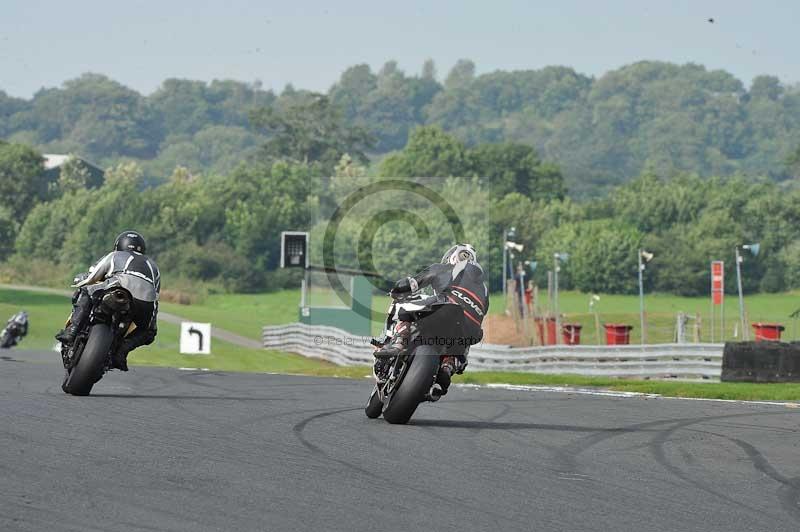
{"x":508,"y":234}
{"x":593,"y":309}
{"x":753,"y":248}
{"x":557,"y":258}
{"x":521,"y":290}
{"x":644,"y":257}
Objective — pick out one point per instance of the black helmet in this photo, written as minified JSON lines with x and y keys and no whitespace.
{"x":130,"y":241}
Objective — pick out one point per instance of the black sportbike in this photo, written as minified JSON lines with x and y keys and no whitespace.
{"x":109,"y":322}
{"x":406,"y":380}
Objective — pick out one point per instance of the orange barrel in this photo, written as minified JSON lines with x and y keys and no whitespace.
{"x":617,"y":333}
{"x":770,"y":332}
{"x":571,"y":333}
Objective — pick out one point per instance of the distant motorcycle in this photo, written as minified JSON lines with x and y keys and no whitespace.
{"x":16,"y":329}
{"x":437,"y":331}
{"x":109,"y":322}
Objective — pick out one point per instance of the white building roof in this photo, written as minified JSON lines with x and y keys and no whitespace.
{"x":54,"y":160}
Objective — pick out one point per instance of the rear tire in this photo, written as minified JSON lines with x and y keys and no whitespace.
{"x":374,"y":405}
{"x":89,"y":368}
{"x":417,"y":382}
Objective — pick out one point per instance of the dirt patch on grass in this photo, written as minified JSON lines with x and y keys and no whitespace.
{"x":501,"y":329}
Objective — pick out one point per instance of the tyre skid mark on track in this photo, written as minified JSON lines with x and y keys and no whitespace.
{"x":789,"y":490}
{"x":475,"y":433}
{"x":788,"y":499}
{"x":657,"y":451}
{"x":569,"y":455}
{"x":382,"y":480}
{"x":238,"y":427}
{"x":57,"y":520}
{"x":759,"y":428}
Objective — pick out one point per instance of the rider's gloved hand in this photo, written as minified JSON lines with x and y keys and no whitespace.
{"x":404,"y":287}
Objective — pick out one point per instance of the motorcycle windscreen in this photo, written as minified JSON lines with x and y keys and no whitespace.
{"x":443,"y":327}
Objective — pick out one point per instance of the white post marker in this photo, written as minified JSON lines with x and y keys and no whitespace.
{"x":195,"y":338}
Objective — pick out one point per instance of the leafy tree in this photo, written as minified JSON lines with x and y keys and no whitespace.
{"x":97,"y":117}
{"x":308,"y":129}
{"x":461,"y":75}
{"x":604,"y":258}
{"x":23,"y":183}
{"x":793,"y":163}
{"x":430,"y":152}
{"x":353,"y":89}
{"x":388,"y":104}
{"x":213,"y":150}
{"x":73,"y":175}
{"x":8,"y":232}
{"x":516,"y":168}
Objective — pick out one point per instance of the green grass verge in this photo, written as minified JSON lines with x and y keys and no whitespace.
{"x":244,"y":314}
{"x":47,"y":314}
{"x":744,"y":391}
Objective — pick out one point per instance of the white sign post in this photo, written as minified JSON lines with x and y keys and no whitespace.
{"x":195,"y":338}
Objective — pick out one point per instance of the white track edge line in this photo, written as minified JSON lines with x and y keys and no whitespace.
{"x":623,"y":395}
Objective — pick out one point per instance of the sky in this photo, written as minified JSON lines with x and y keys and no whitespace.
{"x":309,"y":43}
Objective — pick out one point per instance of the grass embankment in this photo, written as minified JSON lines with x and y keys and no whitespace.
{"x":246,"y":314}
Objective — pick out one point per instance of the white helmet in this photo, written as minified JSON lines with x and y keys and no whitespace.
{"x":460,"y":253}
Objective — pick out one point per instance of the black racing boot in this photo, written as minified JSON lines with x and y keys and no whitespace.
{"x":119,"y":360}
{"x":390,"y":350}
{"x":398,"y":343}
{"x":67,"y":335}
{"x":80,"y":310}
{"x":443,"y":379}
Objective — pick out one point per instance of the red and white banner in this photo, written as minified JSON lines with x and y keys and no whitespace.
{"x":717,"y":282}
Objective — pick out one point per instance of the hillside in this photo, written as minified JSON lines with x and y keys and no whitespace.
{"x":601,"y":131}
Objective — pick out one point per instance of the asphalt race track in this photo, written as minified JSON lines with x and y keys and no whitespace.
{"x":163,"y":449}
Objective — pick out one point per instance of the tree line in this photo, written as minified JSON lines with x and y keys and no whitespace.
{"x":223,"y":228}
{"x":603,"y":131}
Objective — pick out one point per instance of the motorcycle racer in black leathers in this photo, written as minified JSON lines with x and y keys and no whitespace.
{"x":16,"y":328}
{"x":139,"y":275}
{"x":457,"y":279}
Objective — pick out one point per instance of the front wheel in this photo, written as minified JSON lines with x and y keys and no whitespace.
{"x":416,"y":384}
{"x":374,"y":404}
{"x":89,"y":368}
{"x":6,"y":340}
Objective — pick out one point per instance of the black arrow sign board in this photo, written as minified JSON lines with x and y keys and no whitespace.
{"x":195,"y":338}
